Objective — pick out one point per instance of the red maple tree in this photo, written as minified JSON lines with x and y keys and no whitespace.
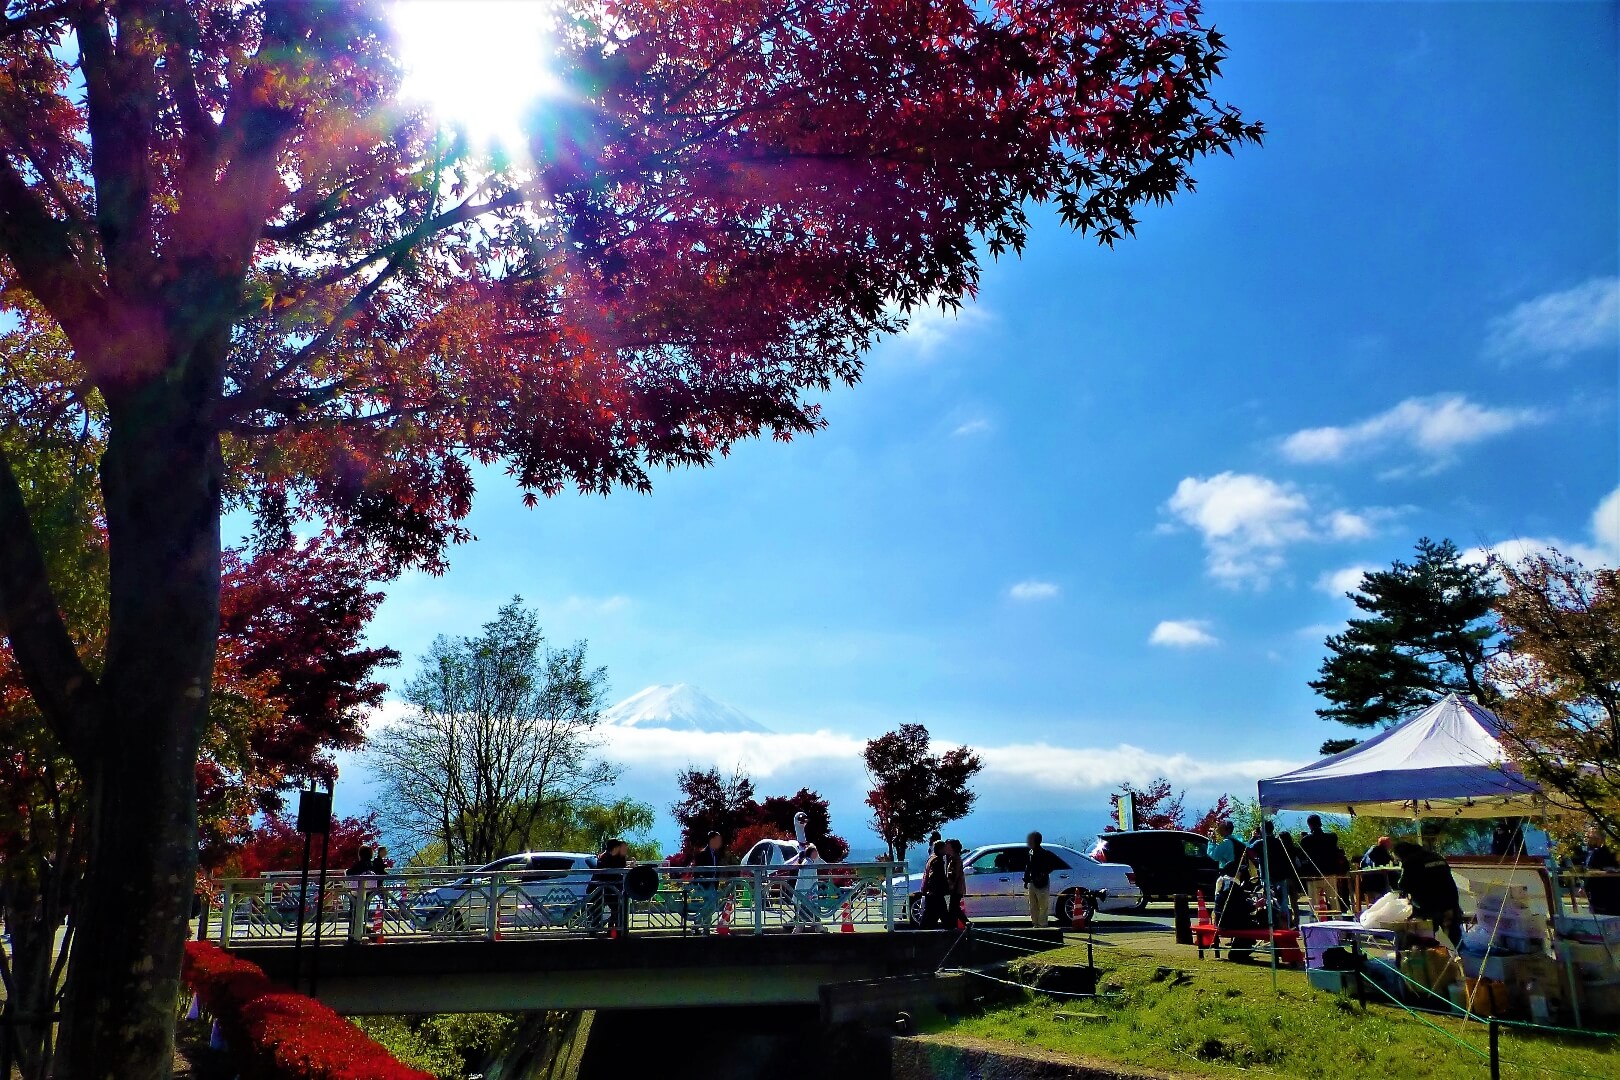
{"x":261,"y":257}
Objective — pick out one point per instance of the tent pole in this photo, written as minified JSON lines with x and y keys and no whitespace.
{"x":1265,"y":874}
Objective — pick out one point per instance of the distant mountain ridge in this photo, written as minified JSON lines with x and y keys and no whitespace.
{"x":679,"y":707}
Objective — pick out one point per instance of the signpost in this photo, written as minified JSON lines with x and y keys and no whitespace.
{"x":314,"y":816}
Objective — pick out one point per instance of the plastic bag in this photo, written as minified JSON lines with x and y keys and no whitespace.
{"x":1387,"y":912}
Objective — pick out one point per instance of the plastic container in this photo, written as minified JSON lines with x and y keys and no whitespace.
{"x":1337,"y":982}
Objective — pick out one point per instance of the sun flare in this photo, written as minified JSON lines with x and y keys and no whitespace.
{"x":479,"y":65}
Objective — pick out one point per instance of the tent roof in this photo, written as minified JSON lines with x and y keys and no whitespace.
{"x":1446,"y":761}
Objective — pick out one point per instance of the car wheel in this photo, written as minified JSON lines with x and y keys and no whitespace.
{"x":914,"y":908}
{"x":1141,"y":905}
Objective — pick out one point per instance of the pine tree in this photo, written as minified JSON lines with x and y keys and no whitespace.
{"x":1428,"y":631}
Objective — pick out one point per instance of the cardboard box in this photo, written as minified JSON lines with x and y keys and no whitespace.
{"x":1596,"y":962}
{"x":1589,"y":928}
{"x":1532,"y":975}
{"x":1501,"y":967}
{"x":1600,"y":1004}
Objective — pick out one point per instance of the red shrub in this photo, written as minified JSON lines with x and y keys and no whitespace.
{"x":278,"y":1035}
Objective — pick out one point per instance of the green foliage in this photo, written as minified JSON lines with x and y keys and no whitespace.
{"x":451,"y":1046}
{"x":500,"y":733}
{"x":1214,"y":1019}
{"x":565,"y":827}
{"x":1427,"y":632}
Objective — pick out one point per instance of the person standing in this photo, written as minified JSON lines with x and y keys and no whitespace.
{"x":706,"y":880}
{"x":1226,"y":851}
{"x":1377,"y":859}
{"x":1323,"y":859}
{"x":806,"y":891}
{"x":607,"y":886}
{"x":957,"y":908}
{"x":1038,"y":866}
{"x":936,"y":885}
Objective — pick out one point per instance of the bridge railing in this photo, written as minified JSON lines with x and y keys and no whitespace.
{"x":460,"y":903}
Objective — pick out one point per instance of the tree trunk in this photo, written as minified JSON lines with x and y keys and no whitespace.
{"x":33,"y":935}
{"x":160,"y":480}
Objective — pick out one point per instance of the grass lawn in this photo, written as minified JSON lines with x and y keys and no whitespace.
{"x":1176,"y":1013}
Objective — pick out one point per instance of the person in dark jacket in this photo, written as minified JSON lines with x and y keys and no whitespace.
{"x":958,"y":897}
{"x":1426,"y":880}
{"x":1320,"y":848}
{"x":1602,"y":893}
{"x":1270,"y":859}
{"x":706,"y":885}
{"x":607,"y":886}
{"x":361,"y":866}
{"x":1038,"y":866}
{"x":936,"y":885}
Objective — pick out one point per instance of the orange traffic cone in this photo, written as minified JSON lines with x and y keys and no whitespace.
{"x":723,"y":929}
{"x":848,"y":917}
{"x":961,"y":914}
{"x":1321,"y":905}
{"x":377,"y":926}
{"x":1203,"y":908}
{"x":1077,"y":912}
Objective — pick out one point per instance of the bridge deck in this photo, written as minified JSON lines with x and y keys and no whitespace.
{"x":628,"y":973}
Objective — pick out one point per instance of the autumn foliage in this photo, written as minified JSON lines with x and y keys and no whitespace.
{"x":293,"y":292}
{"x":274,"y":1034}
{"x":710,"y":801}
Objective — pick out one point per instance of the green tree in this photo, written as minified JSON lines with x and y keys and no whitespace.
{"x":498,"y":735}
{"x":1427,"y":632}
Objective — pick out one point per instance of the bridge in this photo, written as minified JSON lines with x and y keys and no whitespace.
{"x":452,"y":940}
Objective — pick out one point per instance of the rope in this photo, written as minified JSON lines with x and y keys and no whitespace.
{"x":1021,"y":986}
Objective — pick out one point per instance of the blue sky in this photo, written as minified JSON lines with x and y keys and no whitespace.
{"x":1091,"y":525}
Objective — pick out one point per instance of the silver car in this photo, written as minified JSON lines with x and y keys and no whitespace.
{"x":531,"y":889}
{"x":994,"y":876}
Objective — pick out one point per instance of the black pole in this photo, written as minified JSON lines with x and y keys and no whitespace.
{"x":303,"y":899}
{"x":1496,"y":1061}
{"x":320,"y":905}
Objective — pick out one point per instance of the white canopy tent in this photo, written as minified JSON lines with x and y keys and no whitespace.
{"x":1446,"y":761}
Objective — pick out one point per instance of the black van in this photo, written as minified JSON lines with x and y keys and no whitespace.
{"x":1166,"y":861}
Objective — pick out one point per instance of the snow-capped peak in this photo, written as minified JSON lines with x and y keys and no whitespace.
{"x":678,"y":707}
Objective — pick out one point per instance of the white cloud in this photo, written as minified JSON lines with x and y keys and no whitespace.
{"x":1557,"y":325}
{"x":930,"y":330}
{"x":787,"y":759}
{"x":1070,"y":769}
{"x":1434,"y":426}
{"x":1601,"y":549}
{"x":1344,"y":525}
{"x":1183,"y":634}
{"x":1035,"y":590}
{"x":1248,"y":521}
{"x":1245,"y":520}
{"x":977,"y":426}
{"x":1339,"y":582}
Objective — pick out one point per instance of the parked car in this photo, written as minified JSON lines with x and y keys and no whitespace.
{"x":1166,"y":861}
{"x":538,"y":887}
{"x":994,"y":876}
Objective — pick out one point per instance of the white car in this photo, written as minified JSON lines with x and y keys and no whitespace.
{"x":532,"y":886}
{"x":994,"y":876}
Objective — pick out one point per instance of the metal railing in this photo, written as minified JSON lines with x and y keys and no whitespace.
{"x":455,"y":903}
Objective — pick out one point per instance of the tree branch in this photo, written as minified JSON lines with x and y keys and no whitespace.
{"x":64,"y":690}
{"x":37,"y":246}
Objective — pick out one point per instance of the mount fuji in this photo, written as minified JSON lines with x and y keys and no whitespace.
{"x":678,"y":707}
